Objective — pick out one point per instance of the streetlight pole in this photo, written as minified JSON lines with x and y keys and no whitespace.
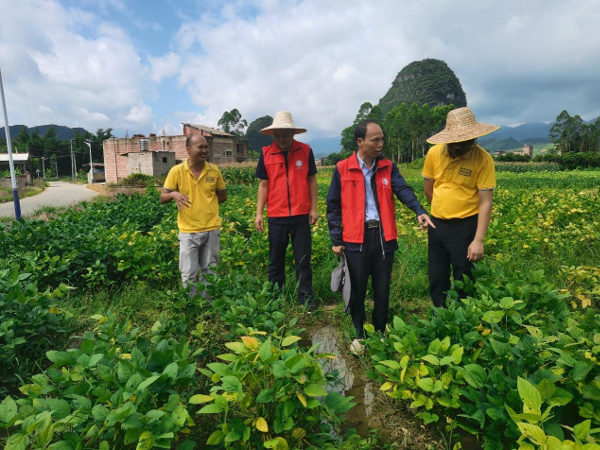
{"x":11,"y":164}
{"x":72,"y":162}
{"x":91,"y":174}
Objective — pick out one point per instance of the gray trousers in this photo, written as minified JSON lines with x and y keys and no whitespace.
{"x":198,"y":254}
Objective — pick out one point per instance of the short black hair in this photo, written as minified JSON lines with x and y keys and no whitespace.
{"x":360,"y":130}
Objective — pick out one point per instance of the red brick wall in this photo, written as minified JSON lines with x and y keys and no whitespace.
{"x":115,"y":165}
{"x":115,"y":148}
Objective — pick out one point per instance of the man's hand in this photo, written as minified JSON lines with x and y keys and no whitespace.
{"x":338,"y":249}
{"x":181,"y":200}
{"x":313,"y":216}
{"x":475,"y":251}
{"x":424,"y":222}
{"x":259,"y":222}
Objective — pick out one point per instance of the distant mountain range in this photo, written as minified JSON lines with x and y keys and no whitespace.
{"x":324,"y":146}
{"x":503,"y":139}
{"x":507,"y":138}
{"x":61,"y":131}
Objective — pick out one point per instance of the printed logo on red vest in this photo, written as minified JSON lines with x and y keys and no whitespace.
{"x":298,"y":163}
{"x":465,"y":172}
{"x":385,"y":181}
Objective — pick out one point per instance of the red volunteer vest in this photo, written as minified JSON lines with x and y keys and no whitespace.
{"x":352,"y":183}
{"x":288,"y":189}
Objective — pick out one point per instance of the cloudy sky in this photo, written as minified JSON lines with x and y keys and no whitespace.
{"x":144,"y":66}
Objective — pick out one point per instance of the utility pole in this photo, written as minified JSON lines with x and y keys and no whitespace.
{"x":73,"y":171}
{"x":11,"y":164}
{"x":91,"y":174}
{"x":116,"y":161}
{"x":43,"y":168}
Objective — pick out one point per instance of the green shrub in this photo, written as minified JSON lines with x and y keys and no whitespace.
{"x":117,"y":388}
{"x":239,"y":175}
{"x":270,"y":395}
{"x":573,"y":160}
{"x":464,"y":362}
{"x":29,"y":325}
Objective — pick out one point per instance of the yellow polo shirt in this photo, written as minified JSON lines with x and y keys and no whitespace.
{"x":203,"y":215}
{"x":457,"y":181}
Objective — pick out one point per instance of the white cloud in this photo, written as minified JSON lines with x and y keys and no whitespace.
{"x":145,"y":24}
{"x":517,"y":61}
{"x":139,"y":115}
{"x":55,"y":74}
{"x":321,"y":60}
{"x":164,"y":66}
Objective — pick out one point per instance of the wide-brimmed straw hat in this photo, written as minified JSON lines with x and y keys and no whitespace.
{"x":461,"y":125}
{"x":282,"y":121}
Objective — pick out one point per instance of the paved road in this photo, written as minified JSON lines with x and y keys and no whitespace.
{"x":57,"y":194}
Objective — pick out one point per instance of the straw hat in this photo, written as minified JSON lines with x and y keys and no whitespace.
{"x":282,"y":121}
{"x":461,"y":125}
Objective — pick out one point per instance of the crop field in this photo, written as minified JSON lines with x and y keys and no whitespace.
{"x":100,"y":347}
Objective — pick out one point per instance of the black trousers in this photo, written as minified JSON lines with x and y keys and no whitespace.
{"x":370,"y":261}
{"x":448,"y":245}
{"x":302,"y":246}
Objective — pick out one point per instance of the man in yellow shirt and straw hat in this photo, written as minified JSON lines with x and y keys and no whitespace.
{"x":459,"y":183}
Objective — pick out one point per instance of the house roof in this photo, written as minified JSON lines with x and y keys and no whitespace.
{"x":145,"y":151}
{"x":210,"y":130}
{"x":17,"y":157}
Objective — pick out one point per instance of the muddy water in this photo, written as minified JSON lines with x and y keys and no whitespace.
{"x":353,"y":382}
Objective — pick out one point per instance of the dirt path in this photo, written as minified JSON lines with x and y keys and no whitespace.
{"x":57,"y":194}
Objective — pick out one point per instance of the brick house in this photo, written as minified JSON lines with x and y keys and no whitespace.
{"x":122,"y":155}
{"x":527,"y":151}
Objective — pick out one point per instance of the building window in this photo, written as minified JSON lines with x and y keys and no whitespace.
{"x":164,"y":159}
{"x":228,"y":153}
{"x":240,"y":148}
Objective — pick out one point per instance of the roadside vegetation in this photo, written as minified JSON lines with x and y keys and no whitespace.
{"x":28,"y":191}
{"x":101,"y":348}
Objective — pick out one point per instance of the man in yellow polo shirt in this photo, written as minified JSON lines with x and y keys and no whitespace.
{"x":197,"y":187}
{"x":459,"y":183}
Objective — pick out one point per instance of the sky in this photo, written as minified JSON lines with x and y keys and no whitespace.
{"x":147,"y":66}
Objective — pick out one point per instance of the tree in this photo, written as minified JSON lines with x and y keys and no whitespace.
{"x":401,"y":132}
{"x":363,"y":112}
{"x":366,"y":111}
{"x":591,"y":137}
{"x":257,"y":141}
{"x":232,"y":122}
{"x":21,"y":138}
{"x":567,"y":132}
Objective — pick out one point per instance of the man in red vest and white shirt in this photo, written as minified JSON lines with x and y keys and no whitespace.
{"x":288,"y":186}
{"x":362,"y":223}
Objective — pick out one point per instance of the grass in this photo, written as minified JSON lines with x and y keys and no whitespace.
{"x":28,"y":191}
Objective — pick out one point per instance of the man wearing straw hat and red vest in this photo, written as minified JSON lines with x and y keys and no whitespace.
{"x":459,"y":183}
{"x":362,"y":223}
{"x":288,"y":186}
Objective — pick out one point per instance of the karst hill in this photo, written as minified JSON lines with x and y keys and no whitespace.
{"x":428,"y":81}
